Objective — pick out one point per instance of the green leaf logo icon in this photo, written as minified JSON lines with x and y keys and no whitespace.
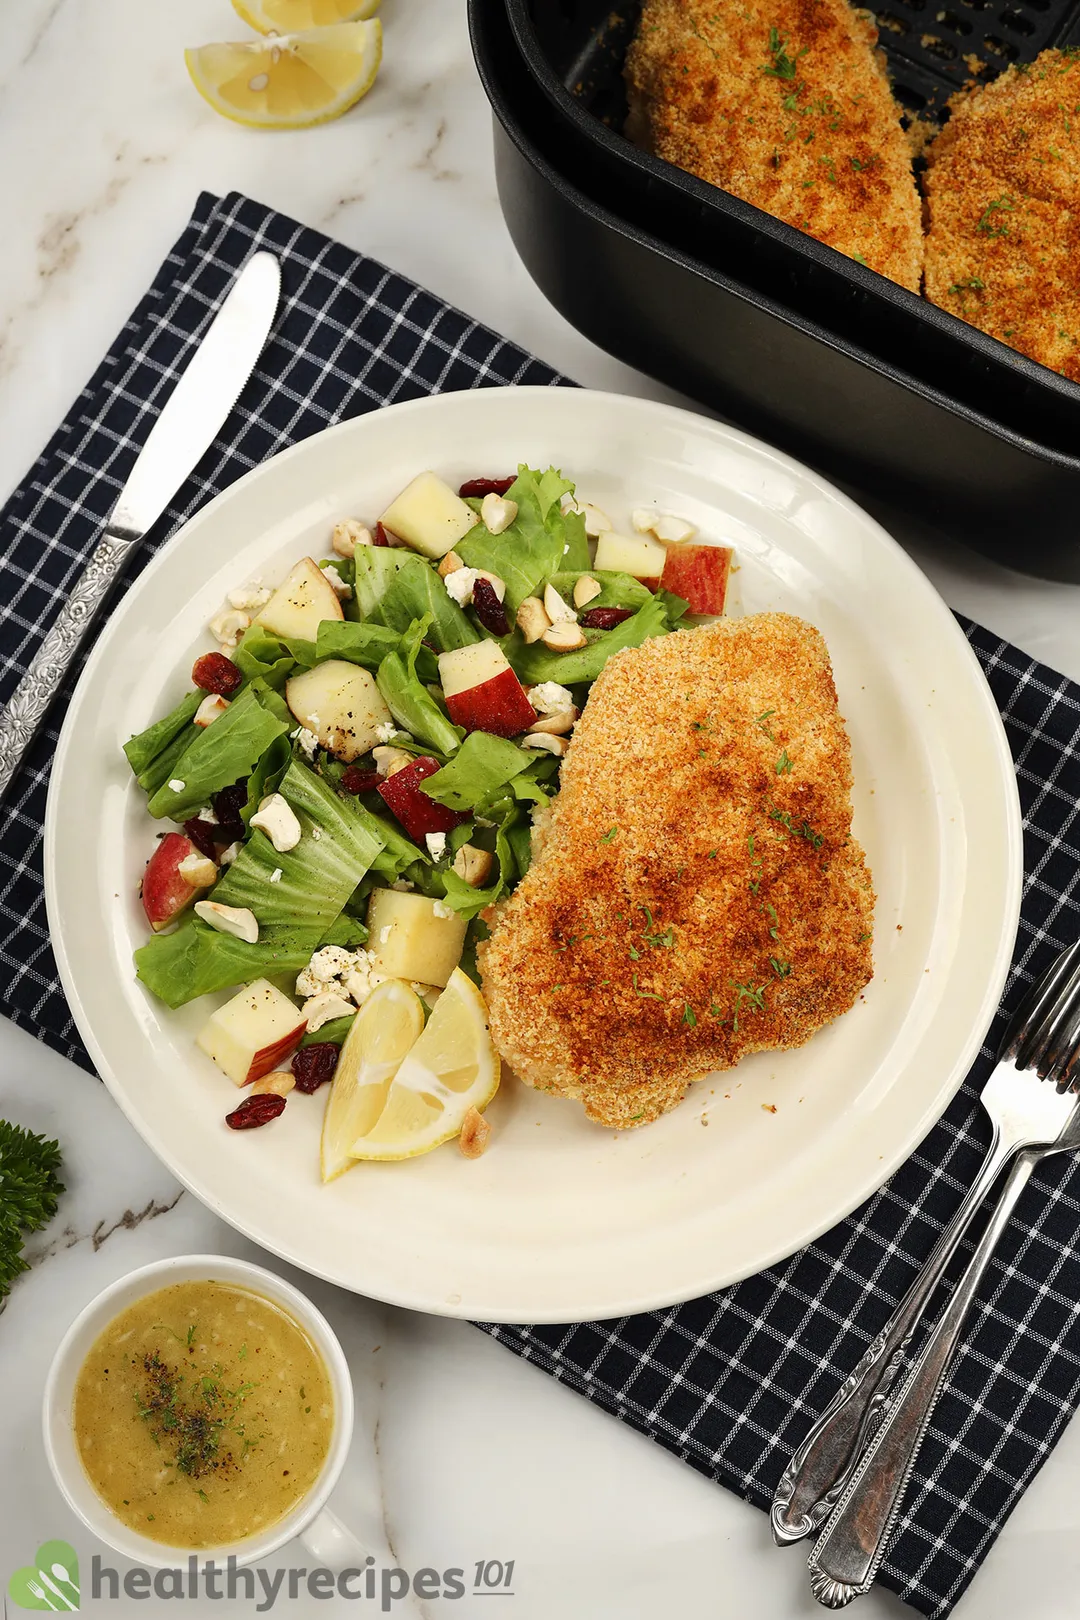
{"x":50,"y":1582}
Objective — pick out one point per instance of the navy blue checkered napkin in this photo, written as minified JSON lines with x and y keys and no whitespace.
{"x":730,"y":1382}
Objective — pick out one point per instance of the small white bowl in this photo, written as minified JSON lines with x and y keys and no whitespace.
{"x":310,"y":1517}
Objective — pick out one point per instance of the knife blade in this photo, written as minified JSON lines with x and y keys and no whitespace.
{"x":191,"y":419}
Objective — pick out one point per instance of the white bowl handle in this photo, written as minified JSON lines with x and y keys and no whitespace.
{"x":332,"y":1544}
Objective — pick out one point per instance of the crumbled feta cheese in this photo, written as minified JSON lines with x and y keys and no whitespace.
{"x":459,"y":585}
{"x":436,"y":845}
{"x":251,"y":597}
{"x":306,"y":741}
{"x":550,"y":698}
{"x":278,"y":820}
{"x":385,"y":731}
{"x":403,"y":886}
{"x":229,"y":627}
{"x":497,"y":513}
{"x":361,"y":978}
{"x":235,"y":920}
{"x":229,"y":855}
{"x":482,"y":821}
{"x":316,"y":833}
{"x":337,"y":584}
{"x":348,"y":534}
{"x":207,"y":814}
{"x":211,"y":708}
{"x":175,"y":785}
{"x":320,"y":1009}
{"x":275,"y":876}
{"x":441,"y":909}
{"x":329,"y":962}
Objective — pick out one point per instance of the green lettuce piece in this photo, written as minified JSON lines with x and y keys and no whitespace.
{"x":535,"y":545}
{"x":261,"y":655}
{"x":365,"y":644}
{"x":395,"y":587}
{"x":617,"y":590}
{"x":142,"y":750}
{"x":194,"y":960}
{"x":319,"y":875}
{"x":535,"y":664}
{"x":163,"y":767}
{"x":219,"y":755}
{"x":334,"y":1032}
{"x":676,"y":607}
{"x":483,"y":764}
{"x":410,"y":702}
{"x":519,"y":837}
{"x":468,"y":901}
{"x":266,"y":776}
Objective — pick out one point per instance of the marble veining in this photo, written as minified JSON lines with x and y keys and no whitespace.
{"x":462,"y":1452}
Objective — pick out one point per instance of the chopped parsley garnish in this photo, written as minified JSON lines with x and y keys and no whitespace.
{"x":999,"y":205}
{"x":750,"y":995}
{"x":610,"y":836}
{"x":648,"y":994}
{"x":802,"y":830}
{"x":784,"y":764}
{"x":782,"y":66}
{"x":780,"y":968}
{"x":689,"y":1017}
{"x":760,"y":723}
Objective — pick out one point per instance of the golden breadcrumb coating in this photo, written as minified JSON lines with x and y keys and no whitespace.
{"x":1003,"y":203}
{"x":696,"y":893}
{"x":788,"y":107}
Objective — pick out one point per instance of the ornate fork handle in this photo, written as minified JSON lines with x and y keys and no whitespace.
{"x":845,"y":1560}
{"x":32,"y":697}
{"x":815,"y":1478}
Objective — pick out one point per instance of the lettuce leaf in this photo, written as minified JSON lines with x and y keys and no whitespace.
{"x":541,"y":541}
{"x":143,"y":749}
{"x":334,"y":1032}
{"x":617,"y":590}
{"x":195,"y":960}
{"x":483,"y":764}
{"x":261,"y":655}
{"x":319,"y":875}
{"x":366,"y":644}
{"x":410,"y":702}
{"x":395,"y":587}
{"x":468,"y":901}
{"x":535,"y":664}
{"x":219,"y":755}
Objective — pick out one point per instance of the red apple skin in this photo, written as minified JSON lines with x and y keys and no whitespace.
{"x":268,"y":1058}
{"x":165,"y":894}
{"x":498,"y":706}
{"x":699,"y":574}
{"x":417,"y":813}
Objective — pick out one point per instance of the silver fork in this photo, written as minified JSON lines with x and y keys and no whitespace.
{"x":1025,"y":1114}
{"x":852,"y":1544}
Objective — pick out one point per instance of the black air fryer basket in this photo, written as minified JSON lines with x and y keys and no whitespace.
{"x":769,"y":326}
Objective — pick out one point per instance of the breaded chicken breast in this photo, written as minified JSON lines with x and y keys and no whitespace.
{"x":787,"y":107}
{"x":1003,"y":202}
{"x":696,"y":892}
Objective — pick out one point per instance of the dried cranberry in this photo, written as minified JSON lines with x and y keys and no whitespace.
{"x":357,"y":780}
{"x":227,"y":807}
{"x":213,"y":672}
{"x":476,"y":488}
{"x":255,"y":1111}
{"x":488,"y":609}
{"x":313,"y":1065}
{"x":203,"y":835}
{"x":605,"y":618}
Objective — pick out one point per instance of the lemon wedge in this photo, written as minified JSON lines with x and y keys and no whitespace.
{"x":289,"y":16}
{"x":289,"y":81}
{"x":452,"y":1067}
{"x":383,"y":1031}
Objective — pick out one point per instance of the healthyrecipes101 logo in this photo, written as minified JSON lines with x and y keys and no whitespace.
{"x":50,"y":1582}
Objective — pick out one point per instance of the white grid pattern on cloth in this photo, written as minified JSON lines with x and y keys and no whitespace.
{"x":730,"y":1382}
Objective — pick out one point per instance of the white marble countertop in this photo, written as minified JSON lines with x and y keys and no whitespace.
{"x":462,"y":1452}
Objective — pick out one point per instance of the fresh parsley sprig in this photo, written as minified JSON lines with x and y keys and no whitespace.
{"x":29,"y":1188}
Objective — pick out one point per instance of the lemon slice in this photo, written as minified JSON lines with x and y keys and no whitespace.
{"x":289,"y":81}
{"x":453,"y":1067}
{"x":289,"y":16}
{"x":384,"y":1029}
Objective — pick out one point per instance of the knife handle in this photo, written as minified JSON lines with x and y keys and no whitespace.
{"x":32,"y":698}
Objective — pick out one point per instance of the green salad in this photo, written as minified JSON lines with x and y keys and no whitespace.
{"x":352,"y":780}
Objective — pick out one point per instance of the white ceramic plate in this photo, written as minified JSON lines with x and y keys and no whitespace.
{"x":561,"y":1219}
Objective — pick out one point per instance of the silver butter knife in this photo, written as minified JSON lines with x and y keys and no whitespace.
{"x":193,"y":415}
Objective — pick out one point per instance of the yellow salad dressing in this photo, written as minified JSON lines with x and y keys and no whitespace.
{"x":203,"y":1414}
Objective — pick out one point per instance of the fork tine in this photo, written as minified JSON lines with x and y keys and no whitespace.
{"x":1057,"y":1033}
{"x":1063,"y":1039}
{"x":1026,"y":1036}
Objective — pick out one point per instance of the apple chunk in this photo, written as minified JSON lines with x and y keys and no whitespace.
{"x":166,"y":892}
{"x":341,"y":704}
{"x":299,"y":606}
{"x":410,"y":940}
{"x":250,"y":1035}
{"x":428,"y":516}
{"x":699,"y":574}
{"x":482,"y":692}
{"x":637,"y":554}
{"x":418,"y":814}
